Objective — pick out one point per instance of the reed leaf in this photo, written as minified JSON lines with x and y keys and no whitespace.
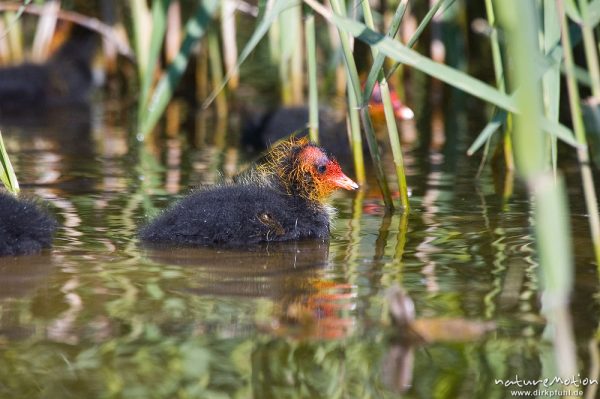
{"x":195,"y":28}
{"x":591,"y":51}
{"x":377,"y":66}
{"x":354,"y":90}
{"x":498,"y":120}
{"x":397,"y":51}
{"x":228,"y":34}
{"x":550,"y":208}
{"x":390,"y":117}
{"x":355,"y":138}
{"x":159,"y":27}
{"x":311,"y":67}
{"x":582,"y":154}
{"x":551,"y":78}
{"x":499,"y":74}
{"x":572,"y":11}
{"x":422,"y":25}
{"x":7,"y":173}
{"x":593,"y":15}
{"x":141,"y":27}
{"x":270,"y":16}
{"x":216,"y":71}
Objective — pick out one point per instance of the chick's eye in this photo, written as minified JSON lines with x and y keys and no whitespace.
{"x":321,"y":168}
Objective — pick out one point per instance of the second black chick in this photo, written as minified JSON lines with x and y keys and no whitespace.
{"x":25,"y":228}
{"x":66,"y":78}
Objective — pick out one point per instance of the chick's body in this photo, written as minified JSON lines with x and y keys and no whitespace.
{"x":237,"y":215}
{"x":24,"y":227}
{"x":281,"y":199}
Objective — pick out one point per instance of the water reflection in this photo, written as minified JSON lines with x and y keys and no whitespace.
{"x":274,"y":271}
{"x":100,"y":315}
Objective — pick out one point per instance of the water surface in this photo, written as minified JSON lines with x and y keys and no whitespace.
{"x":101,"y":316}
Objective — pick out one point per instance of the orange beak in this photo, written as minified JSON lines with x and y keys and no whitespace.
{"x":343,"y":181}
{"x":402,"y":111}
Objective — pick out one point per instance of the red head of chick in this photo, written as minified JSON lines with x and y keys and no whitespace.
{"x":304,"y":169}
{"x":283,"y":198}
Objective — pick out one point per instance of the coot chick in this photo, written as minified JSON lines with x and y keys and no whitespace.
{"x":24,"y":227}
{"x":281,"y":199}
{"x":66,"y":78}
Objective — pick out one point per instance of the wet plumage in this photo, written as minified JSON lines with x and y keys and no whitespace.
{"x":25,"y":228}
{"x":282,"y":199}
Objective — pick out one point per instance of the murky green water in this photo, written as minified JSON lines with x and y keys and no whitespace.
{"x":98,"y":316}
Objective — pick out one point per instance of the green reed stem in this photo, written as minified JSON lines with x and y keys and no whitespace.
{"x":582,"y":152}
{"x":14,"y":32}
{"x":7,"y":173}
{"x":216,"y":71}
{"x":195,"y":28}
{"x":228,"y":35}
{"x":158,"y":28}
{"x":495,"y":46}
{"x":549,"y":197}
{"x":390,"y":117}
{"x":311,"y":63}
{"x":364,"y":112}
{"x":377,"y":66}
{"x":140,"y":19}
{"x":551,"y":79}
{"x":499,"y":75}
{"x":355,"y":138}
{"x":419,"y":31}
{"x":296,"y":60}
{"x":591,"y":51}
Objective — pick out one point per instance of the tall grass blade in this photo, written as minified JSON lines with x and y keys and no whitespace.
{"x":7,"y":173}
{"x":289,"y":43}
{"x":45,"y":30}
{"x":377,"y":66}
{"x":390,"y":116}
{"x":297,"y":61}
{"x":593,"y":15}
{"x":572,"y":11}
{"x":497,"y":121}
{"x":14,"y":32}
{"x":577,"y":118}
{"x":551,"y":78}
{"x":419,"y":31}
{"x":500,"y":79}
{"x":355,"y":91}
{"x":550,"y":209}
{"x":260,"y":31}
{"x":453,"y":77}
{"x":355,"y":137}
{"x":195,"y":28}
{"x":559,"y":131}
{"x":157,"y":36}
{"x":141,"y":26}
{"x":173,"y":31}
{"x":591,"y":51}
{"x":311,"y":67}
{"x":228,"y":35}
{"x":216,"y":71}
{"x":398,"y":52}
